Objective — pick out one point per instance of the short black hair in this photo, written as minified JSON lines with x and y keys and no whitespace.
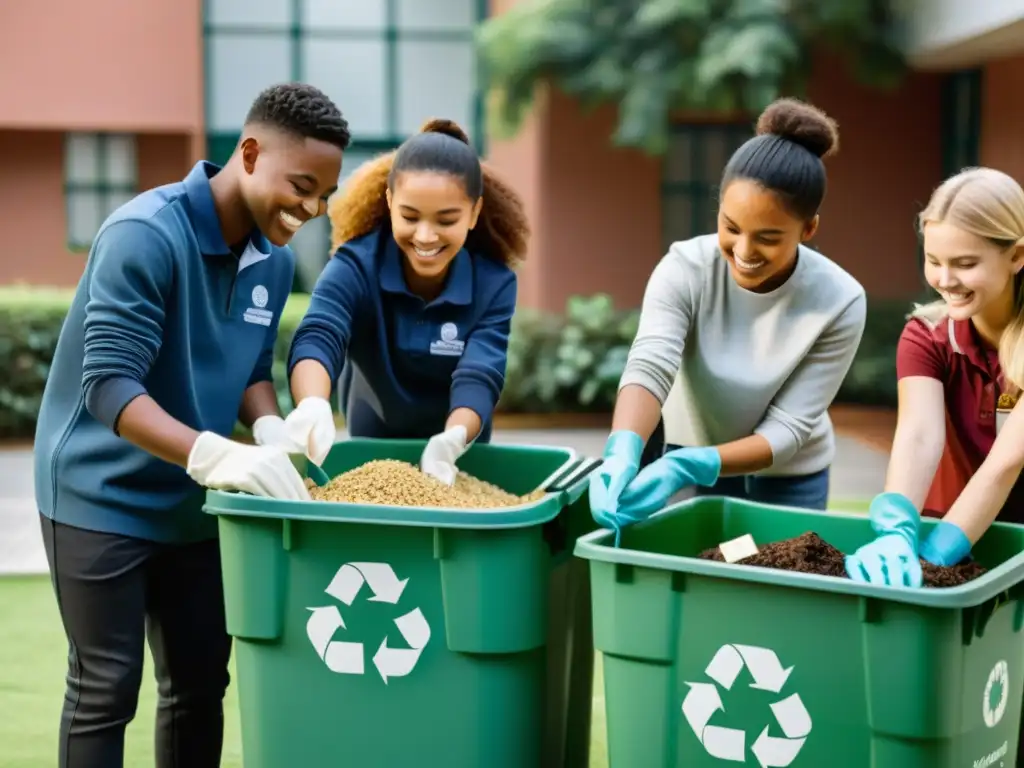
{"x":302,"y":110}
{"x":441,"y":146}
{"x":786,"y":155}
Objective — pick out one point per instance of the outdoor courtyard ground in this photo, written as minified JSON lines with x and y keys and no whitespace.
{"x":32,"y":646}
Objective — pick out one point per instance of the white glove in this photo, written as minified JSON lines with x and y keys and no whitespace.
{"x":442,"y":452}
{"x":311,"y":427}
{"x":224,"y":465}
{"x":271,"y":430}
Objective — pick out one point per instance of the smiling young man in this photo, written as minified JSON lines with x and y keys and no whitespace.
{"x":169,"y":341}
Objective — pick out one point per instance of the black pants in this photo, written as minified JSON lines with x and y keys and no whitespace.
{"x":113,"y":592}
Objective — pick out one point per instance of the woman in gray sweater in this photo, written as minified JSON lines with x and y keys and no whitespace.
{"x":745,"y":337}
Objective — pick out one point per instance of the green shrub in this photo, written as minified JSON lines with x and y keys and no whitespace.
{"x":557,"y":363}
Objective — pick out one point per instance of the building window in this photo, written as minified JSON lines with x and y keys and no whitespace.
{"x":691,"y":172}
{"x":961,"y":120}
{"x":389,"y":65}
{"x":100,"y":175}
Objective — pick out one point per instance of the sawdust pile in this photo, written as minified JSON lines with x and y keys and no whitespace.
{"x":398,"y":483}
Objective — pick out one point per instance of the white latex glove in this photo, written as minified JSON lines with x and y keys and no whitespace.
{"x":224,"y":465}
{"x":442,"y":452}
{"x":311,"y":427}
{"x":271,"y":430}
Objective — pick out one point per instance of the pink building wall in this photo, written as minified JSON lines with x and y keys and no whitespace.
{"x":32,"y":198}
{"x":596,"y":209}
{"x":123,"y":65}
{"x":98,"y":66}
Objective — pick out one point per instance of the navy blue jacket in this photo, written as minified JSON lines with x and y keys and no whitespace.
{"x":165,"y":309}
{"x":410,"y":363}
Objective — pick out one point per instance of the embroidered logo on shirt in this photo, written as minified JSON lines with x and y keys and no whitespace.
{"x":257,"y":314}
{"x":449,"y":344}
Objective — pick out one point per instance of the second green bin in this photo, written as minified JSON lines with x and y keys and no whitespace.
{"x":709,"y":664}
{"x":385,"y":637}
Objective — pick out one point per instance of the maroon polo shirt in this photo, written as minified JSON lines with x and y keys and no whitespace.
{"x":971,"y":376}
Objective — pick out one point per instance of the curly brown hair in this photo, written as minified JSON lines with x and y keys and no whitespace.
{"x":502,"y":232}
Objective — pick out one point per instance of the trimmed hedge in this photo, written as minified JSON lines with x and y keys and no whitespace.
{"x":567,"y":363}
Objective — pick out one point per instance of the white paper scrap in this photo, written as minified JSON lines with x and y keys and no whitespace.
{"x":737,"y":549}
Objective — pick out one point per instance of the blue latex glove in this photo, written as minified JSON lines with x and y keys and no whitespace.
{"x":622,"y":454}
{"x":664,"y":478}
{"x":892,"y":558}
{"x":946,"y":545}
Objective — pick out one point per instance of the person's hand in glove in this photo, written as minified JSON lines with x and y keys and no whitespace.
{"x":947,"y":545}
{"x":621,"y":461}
{"x":273,"y":431}
{"x":442,"y":451}
{"x":311,"y":426}
{"x":224,"y":465}
{"x":892,"y":558}
{"x":662,"y":479}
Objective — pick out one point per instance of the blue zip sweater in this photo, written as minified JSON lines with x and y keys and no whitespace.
{"x":164,"y":308}
{"x":409,"y":362}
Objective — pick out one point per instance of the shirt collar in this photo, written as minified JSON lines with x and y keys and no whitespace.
{"x":965,"y":341}
{"x":458,"y":287}
{"x":204,"y":214}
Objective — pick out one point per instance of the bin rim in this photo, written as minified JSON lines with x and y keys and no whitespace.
{"x":529,"y":514}
{"x":599,"y":546}
{"x":233,"y":504}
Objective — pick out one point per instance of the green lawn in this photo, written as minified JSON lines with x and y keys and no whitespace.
{"x":32,"y":666}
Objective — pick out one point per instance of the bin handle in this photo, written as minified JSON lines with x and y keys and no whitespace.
{"x":572,"y":478}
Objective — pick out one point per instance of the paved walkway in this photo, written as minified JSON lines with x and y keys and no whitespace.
{"x":858,"y":473}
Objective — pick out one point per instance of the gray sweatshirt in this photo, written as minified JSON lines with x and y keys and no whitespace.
{"x":727,"y":363}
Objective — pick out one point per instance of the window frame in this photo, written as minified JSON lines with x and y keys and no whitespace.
{"x":220,"y":143}
{"x":390,"y":33}
{"x":961,"y":120}
{"x":698,"y":189}
{"x":102,"y":187}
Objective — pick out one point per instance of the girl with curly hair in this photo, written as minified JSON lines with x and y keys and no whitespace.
{"x":412,"y":314}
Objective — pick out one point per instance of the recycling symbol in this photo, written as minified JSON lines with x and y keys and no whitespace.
{"x":703,"y":701}
{"x":348,"y":658}
{"x":997,"y":694}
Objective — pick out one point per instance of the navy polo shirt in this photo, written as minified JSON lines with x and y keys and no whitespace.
{"x":408,"y":363}
{"x":164,"y":308}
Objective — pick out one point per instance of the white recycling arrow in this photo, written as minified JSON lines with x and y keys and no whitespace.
{"x":703,"y":700}
{"x":399,"y":662}
{"x":764,"y":667}
{"x":342,"y":657}
{"x":348,"y":657}
{"x":699,"y":706}
{"x":379,"y":577}
{"x":775,"y":753}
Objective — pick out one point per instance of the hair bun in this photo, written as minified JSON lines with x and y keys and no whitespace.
{"x":447,"y":127}
{"x":802,"y":124}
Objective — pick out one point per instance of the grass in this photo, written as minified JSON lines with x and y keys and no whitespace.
{"x":32,"y":666}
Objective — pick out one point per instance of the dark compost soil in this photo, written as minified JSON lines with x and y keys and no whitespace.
{"x":809,"y":553}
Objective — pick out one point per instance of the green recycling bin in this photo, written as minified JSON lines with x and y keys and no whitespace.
{"x":708,"y":665}
{"x":374,"y":636}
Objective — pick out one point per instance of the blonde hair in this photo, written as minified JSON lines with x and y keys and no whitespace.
{"x":989,"y":204}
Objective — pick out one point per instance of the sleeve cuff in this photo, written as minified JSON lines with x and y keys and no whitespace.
{"x":261,"y":375}
{"x":782,"y":441}
{"x":312,"y":352}
{"x":641,"y":378}
{"x":106,"y":400}
{"x":475,"y":396}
